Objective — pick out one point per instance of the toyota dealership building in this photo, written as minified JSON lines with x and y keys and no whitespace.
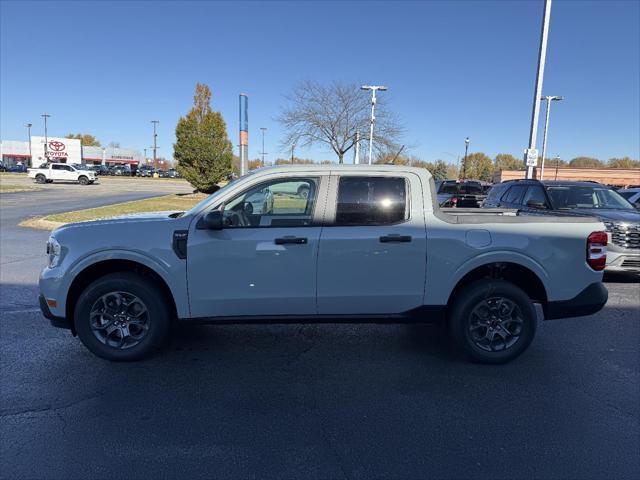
{"x":65,"y":150}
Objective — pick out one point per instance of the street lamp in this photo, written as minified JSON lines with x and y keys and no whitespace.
{"x":464,"y":162}
{"x":46,"y":138}
{"x":374,"y":89}
{"x":155,"y":137}
{"x":549,"y":99}
{"x":263,"y":129}
{"x":29,"y":125}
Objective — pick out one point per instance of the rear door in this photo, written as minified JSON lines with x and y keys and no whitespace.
{"x":372,"y":255}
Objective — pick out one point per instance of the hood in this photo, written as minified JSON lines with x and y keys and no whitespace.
{"x":122,"y":219}
{"x":611,"y":215}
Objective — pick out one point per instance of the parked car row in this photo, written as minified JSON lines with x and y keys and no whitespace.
{"x":13,"y":169}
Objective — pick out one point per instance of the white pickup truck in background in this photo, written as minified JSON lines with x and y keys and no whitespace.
{"x":48,"y":172}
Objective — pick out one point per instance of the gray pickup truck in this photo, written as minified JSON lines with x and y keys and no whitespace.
{"x":360,"y":243}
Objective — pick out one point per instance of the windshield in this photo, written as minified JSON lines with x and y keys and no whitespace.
{"x":567,"y":197}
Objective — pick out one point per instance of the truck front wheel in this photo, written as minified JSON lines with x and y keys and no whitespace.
{"x":492,"y":321}
{"x":83,"y":180}
{"x":41,"y":178}
{"x":122,"y":317}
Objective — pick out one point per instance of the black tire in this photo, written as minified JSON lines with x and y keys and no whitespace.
{"x":146,"y":290}
{"x":40,"y":178}
{"x":82,"y":180}
{"x":49,"y":181}
{"x":477,"y":310}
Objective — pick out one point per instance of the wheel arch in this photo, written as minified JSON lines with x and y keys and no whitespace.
{"x":521,"y":276}
{"x":96,"y":270}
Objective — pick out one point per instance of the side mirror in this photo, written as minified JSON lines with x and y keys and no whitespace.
{"x":536,"y":204}
{"x":211,"y":221}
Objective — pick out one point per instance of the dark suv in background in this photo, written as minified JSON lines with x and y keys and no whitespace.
{"x":589,"y":199}
{"x":461,"y":193}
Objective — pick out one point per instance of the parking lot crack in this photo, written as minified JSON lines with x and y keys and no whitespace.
{"x":7,"y":413}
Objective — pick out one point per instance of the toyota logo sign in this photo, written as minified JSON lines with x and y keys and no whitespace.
{"x":56,"y":146}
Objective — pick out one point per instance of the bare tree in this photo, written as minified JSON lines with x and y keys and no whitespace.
{"x":332,"y":114}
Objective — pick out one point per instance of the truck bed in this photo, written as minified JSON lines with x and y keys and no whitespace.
{"x":502,"y":215}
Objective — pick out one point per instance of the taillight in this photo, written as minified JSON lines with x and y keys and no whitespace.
{"x":597,"y":250}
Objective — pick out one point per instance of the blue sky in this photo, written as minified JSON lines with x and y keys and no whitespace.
{"x":453,"y":68}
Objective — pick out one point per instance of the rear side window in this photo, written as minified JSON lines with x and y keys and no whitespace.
{"x":57,"y":167}
{"x":535,"y":194}
{"x":514,"y":194}
{"x":371,"y":201}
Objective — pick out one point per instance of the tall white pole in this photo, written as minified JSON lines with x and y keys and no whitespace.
{"x":542,"y":55}
{"x":373,"y":119}
{"x":373,"y":89}
{"x":544,"y":138}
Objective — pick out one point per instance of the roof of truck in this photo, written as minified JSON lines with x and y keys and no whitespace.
{"x":348,"y":168}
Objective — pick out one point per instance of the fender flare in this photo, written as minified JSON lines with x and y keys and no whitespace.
{"x":182,"y":305}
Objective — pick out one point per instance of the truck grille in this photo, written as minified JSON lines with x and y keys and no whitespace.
{"x":625,"y":235}
{"x":631,"y":263}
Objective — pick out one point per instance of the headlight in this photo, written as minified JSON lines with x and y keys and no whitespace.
{"x":53,"y":251}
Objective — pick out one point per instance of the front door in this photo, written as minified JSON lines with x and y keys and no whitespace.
{"x":372,"y":257}
{"x":263,"y":262}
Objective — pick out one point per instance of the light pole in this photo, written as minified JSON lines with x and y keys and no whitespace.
{"x":356,"y":153}
{"x":374,"y":89}
{"x":542,"y":55}
{"x":263,"y":129}
{"x":29,"y":125}
{"x":145,"y":155}
{"x":155,"y":137}
{"x":549,"y":99}
{"x":464,"y":162}
{"x":46,"y":138}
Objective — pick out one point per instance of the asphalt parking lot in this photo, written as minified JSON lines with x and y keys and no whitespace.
{"x":306,"y":401}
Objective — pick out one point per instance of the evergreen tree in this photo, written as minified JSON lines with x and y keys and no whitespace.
{"x":203,"y":149}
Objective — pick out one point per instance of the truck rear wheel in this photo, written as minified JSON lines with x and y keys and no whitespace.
{"x":40,"y":178}
{"x":492,"y":321}
{"x":82,"y":180}
{"x":122,"y":317}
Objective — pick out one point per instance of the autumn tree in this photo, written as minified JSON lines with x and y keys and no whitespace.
{"x":624,"y":162}
{"x":478,"y":166}
{"x":330,"y":115}
{"x":586,"y":162}
{"x":86,"y":140}
{"x":202,"y":149}
{"x":506,"y":161}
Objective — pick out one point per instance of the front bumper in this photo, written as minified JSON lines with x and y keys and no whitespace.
{"x":58,"y":322}
{"x":622,"y":260}
{"x":587,"y":302}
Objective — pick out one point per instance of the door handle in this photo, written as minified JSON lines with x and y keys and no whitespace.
{"x":394,"y":237}
{"x":291,"y":239}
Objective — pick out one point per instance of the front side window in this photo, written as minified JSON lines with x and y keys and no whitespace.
{"x":514,"y":194}
{"x":566,"y":197}
{"x":281,"y":203}
{"x":371,"y":201}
